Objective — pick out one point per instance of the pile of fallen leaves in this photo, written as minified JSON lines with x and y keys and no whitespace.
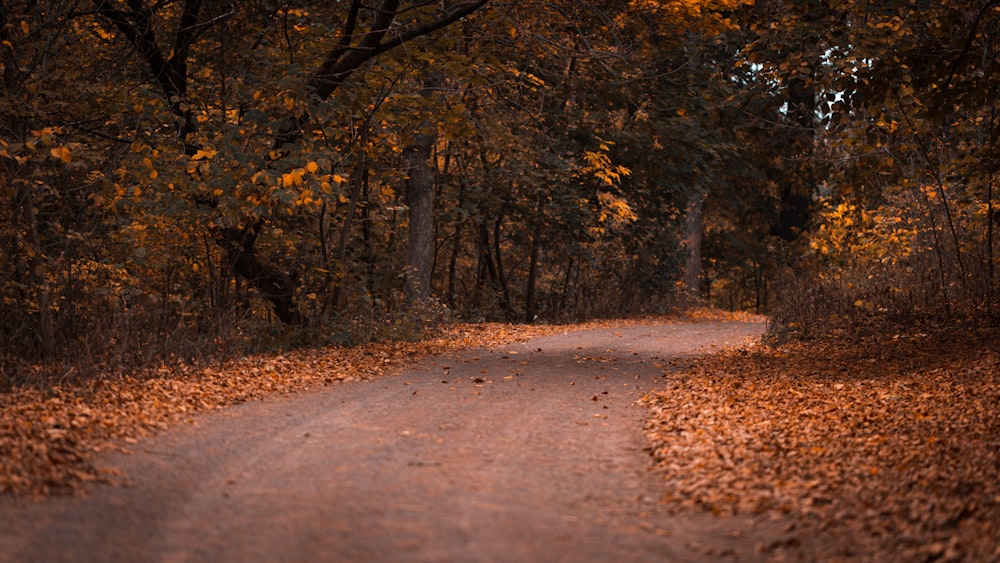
{"x":888,"y":447}
{"x":48,"y":438}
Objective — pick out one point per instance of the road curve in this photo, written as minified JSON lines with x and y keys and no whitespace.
{"x":533,"y":452}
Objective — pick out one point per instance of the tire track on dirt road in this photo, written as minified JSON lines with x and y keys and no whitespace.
{"x":533,"y":452}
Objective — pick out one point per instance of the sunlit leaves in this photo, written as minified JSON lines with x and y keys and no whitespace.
{"x":847,"y":235}
{"x":204,"y":154}
{"x":62,"y":153}
{"x":599,"y":165}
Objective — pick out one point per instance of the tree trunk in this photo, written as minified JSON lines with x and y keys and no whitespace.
{"x":505,"y":300}
{"x":477,"y":288}
{"x":46,"y":326}
{"x":272,"y":283}
{"x":453,"y":266}
{"x":360,"y":179}
{"x":692,"y":244}
{"x":367,"y":236}
{"x":530,"y":307}
{"x":492,"y":268}
{"x":456,"y":247}
{"x":420,"y":201}
{"x":565,"y":287}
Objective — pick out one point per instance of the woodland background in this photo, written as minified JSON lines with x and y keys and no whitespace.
{"x":182,"y":179}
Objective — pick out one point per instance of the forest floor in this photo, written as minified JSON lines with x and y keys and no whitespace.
{"x":884,"y":447}
{"x":887,"y":445}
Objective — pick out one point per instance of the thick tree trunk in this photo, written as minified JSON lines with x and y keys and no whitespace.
{"x":420,"y":200}
{"x":692,"y":246}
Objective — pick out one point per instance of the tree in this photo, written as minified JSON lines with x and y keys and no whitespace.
{"x":906,"y":112}
{"x":178,"y":170}
{"x":353,"y":49}
{"x":110,"y":198}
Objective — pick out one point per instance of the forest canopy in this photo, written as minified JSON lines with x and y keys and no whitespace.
{"x":190,"y":177}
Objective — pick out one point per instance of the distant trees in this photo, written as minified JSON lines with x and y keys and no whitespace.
{"x":907,"y":96}
{"x":180,"y":174}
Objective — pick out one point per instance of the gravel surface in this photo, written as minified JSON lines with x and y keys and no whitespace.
{"x":532,"y":452}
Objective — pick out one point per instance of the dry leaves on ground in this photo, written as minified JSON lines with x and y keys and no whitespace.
{"x":48,"y":438}
{"x":891,"y":446}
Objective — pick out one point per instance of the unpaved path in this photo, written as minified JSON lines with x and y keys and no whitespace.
{"x":534,"y":452}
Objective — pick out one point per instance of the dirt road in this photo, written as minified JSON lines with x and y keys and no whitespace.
{"x":534,"y":452}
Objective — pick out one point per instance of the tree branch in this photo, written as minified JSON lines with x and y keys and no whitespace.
{"x":344,"y":60}
{"x":451,"y":16}
{"x":968,"y":43}
{"x":341,"y":62}
{"x":134,"y":25}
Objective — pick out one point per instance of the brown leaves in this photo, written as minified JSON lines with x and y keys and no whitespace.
{"x":48,"y":438}
{"x":893,"y":443}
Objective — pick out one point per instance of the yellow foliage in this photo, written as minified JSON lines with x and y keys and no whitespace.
{"x":62,"y":153}
{"x":615,"y":209}
{"x":849,"y":235}
{"x":292,"y":179}
{"x":203,"y":154}
{"x":599,"y":165}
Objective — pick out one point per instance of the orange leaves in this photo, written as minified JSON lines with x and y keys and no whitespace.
{"x":48,"y":439}
{"x":293,"y":178}
{"x":307,"y":186}
{"x":702,"y":15}
{"x":62,"y":153}
{"x":849,"y":234}
{"x":35,"y":144}
{"x":204,"y":154}
{"x":854,"y":438}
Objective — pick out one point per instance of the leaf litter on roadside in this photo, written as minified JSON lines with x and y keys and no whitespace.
{"x":48,"y":438}
{"x":891,"y":445}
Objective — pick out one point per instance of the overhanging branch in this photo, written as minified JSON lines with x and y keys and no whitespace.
{"x":343,"y":60}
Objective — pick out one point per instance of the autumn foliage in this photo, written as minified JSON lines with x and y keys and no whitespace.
{"x":203,"y":203}
{"x":193,"y":179}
